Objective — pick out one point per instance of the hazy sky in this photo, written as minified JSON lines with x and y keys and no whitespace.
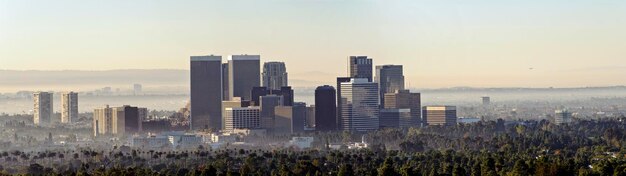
{"x":441,"y":43}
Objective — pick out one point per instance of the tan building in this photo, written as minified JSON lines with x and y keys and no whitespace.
{"x":440,"y":115}
{"x":404,"y":99}
{"x":69,"y":107}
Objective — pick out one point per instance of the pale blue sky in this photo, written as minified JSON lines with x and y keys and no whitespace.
{"x":442,"y":43}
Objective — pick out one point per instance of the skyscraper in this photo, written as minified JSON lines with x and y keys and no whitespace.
{"x":243,"y":74}
{"x":137,"y":89}
{"x":359,"y":109}
{"x":360,"y":67}
{"x":274,"y":75}
{"x":42,"y":112}
{"x":440,"y":115}
{"x":69,"y":107}
{"x":390,"y":78}
{"x":404,"y":99}
{"x":325,"y":109}
{"x":206,"y":92}
{"x":395,"y":118}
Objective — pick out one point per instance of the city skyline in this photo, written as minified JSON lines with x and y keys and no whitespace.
{"x":574,"y":44}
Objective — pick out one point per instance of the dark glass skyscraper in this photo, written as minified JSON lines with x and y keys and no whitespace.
{"x":390,"y":79}
{"x":206,"y":92}
{"x":325,"y":109}
{"x":360,"y":67}
{"x":286,"y":92}
{"x":244,"y":73}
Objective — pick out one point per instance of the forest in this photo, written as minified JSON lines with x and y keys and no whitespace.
{"x":518,"y":148}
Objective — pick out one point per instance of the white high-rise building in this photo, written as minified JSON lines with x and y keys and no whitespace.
{"x":242,"y":118}
{"x":109,"y":121}
{"x":359,"y":110}
{"x":274,"y":75}
{"x":69,"y":107}
{"x":42,"y":112}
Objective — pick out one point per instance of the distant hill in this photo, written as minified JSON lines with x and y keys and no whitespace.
{"x":152,"y":76}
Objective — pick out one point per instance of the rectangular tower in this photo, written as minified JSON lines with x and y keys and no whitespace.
{"x":390,"y":78}
{"x":243,"y":74}
{"x":69,"y":105}
{"x":43,"y":111}
{"x":360,"y":67}
{"x":206,"y":92}
{"x":359,"y":110}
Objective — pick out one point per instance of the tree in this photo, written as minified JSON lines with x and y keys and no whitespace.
{"x":346,"y":170}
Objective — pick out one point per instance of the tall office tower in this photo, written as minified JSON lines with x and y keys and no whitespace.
{"x":242,"y":118}
{"x":486,"y":101}
{"x":359,"y":109}
{"x":390,"y":78}
{"x":395,"y":118}
{"x":285,"y":92}
{"x":339,"y":100}
{"x":206,"y":92}
{"x":325,"y":109}
{"x":243,"y":74}
{"x":310,"y":117}
{"x":69,"y":105}
{"x":404,"y":99}
{"x":268,"y":103}
{"x":137,"y":89}
{"x":290,"y":119}
{"x":562,"y":117}
{"x":274,"y":75}
{"x":360,"y":67}
{"x":440,"y":115}
{"x":225,"y":95}
{"x":43,"y":108}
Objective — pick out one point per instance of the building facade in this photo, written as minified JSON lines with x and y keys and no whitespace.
{"x":268,"y":104}
{"x":360,"y":108}
{"x":390,"y":79}
{"x":325,"y":109}
{"x":43,"y":108}
{"x":396,"y":118}
{"x":243,"y":74}
{"x":243,"y":118}
{"x":404,"y":99}
{"x":360,"y":67}
{"x":206,"y":92}
{"x":440,"y":115}
{"x":274,"y":75}
{"x":285,"y":92}
{"x":69,"y":107}
{"x":290,"y":119}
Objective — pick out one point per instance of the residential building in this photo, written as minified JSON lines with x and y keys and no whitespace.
{"x":43,"y":108}
{"x":69,"y":107}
